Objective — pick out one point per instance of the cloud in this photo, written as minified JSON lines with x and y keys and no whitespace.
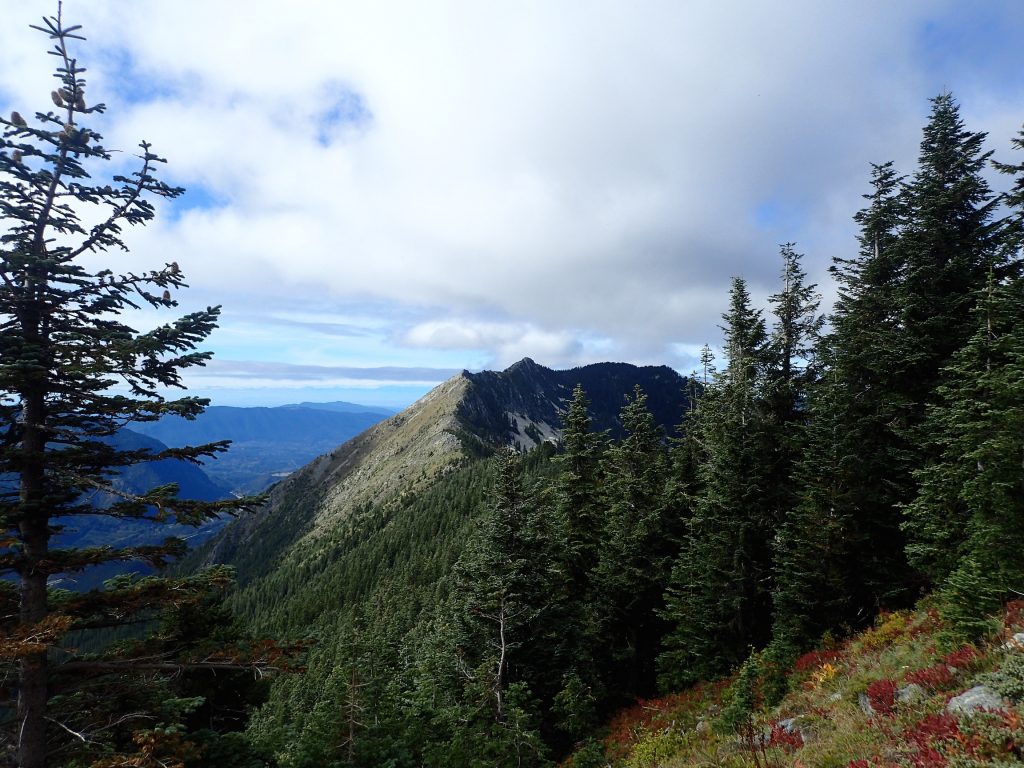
{"x":559,"y":180}
{"x":237,"y":375}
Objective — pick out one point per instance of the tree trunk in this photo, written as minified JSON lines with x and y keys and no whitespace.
{"x":35,"y":534}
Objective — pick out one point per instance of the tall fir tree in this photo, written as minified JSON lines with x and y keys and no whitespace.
{"x":789,"y":373}
{"x":576,"y":491}
{"x":838,"y":555}
{"x":636,"y":552}
{"x":717,"y":599}
{"x":966,"y":523}
{"x":72,"y":373}
{"x":950,"y":243}
{"x":577,"y":511}
{"x":501,"y":593}
{"x":813,"y":586}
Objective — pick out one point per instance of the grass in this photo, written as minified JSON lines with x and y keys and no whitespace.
{"x":877,"y":700}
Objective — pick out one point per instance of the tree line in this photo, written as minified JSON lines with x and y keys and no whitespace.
{"x":827,"y":469}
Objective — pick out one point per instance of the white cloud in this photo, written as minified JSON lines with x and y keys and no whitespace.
{"x":559,"y":180}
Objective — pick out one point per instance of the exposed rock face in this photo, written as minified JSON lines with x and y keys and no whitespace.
{"x":468,"y":415}
{"x":522,"y":404}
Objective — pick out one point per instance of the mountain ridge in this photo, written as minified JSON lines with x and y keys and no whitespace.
{"x":466,"y":417}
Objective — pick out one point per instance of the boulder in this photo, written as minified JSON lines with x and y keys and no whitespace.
{"x":1015,"y":643}
{"x":865,"y":704}
{"x":909,"y":693}
{"x":980,"y":697}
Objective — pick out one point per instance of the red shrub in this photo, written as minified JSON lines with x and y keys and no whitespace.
{"x":932,"y":732}
{"x":927,"y":757}
{"x":1014,"y":614}
{"x":934,"y":678}
{"x":964,"y":658}
{"x":646,"y":715}
{"x":882,"y":695}
{"x":787,"y":740}
{"x":933,"y":728}
{"x":814,"y":659}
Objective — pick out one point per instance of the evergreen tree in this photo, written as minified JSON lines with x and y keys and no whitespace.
{"x":578,"y":522}
{"x":500,"y":593}
{"x":632,"y":566}
{"x":576,"y":491}
{"x":793,"y":340}
{"x":72,"y":373}
{"x":812,"y":559}
{"x":717,"y":597}
{"x":950,"y":244}
{"x":1013,"y":233}
{"x":964,"y":522}
{"x":789,"y":373}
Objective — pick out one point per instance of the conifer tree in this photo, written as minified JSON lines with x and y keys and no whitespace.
{"x":789,"y":373}
{"x":836,"y":553}
{"x":1013,"y":233}
{"x":717,"y":598}
{"x":632,"y":566}
{"x":576,"y":493}
{"x":964,"y":524}
{"x":72,"y":373}
{"x":968,"y":519}
{"x":812,"y":586}
{"x":577,"y":540}
{"x":500,"y":594}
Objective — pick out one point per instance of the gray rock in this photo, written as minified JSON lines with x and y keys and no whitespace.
{"x":909,"y":693}
{"x":789,"y":724}
{"x":1015,"y":643}
{"x":835,"y":697}
{"x":977,"y":698}
{"x":865,"y":704}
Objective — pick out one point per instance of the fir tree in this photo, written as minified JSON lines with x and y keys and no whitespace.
{"x":789,"y":373}
{"x":967,"y":521}
{"x":950,"y":244}
{"x":577,"y":540}
{"x":577,"y":493}
{"x":717,"y":597}
{"x":500,"y":594}
{"x":72,"y":373}
{"x":633,"y":563}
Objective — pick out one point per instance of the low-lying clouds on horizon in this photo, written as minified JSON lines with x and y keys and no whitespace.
{"x":569,"y":181}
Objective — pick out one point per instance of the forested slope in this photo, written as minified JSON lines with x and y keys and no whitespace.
{"x":475,"y":611}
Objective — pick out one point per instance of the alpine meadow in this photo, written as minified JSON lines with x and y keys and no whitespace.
{"x":803,"y":553}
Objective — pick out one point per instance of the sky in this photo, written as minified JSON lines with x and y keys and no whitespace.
{"x":381,"y":194}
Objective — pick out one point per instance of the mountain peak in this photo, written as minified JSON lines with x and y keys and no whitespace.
{"x":525,"y":363}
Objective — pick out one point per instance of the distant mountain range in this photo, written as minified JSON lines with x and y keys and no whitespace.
{"x":267,"y":443}
{"x":100,"y":530}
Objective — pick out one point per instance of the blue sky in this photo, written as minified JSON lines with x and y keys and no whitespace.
{"x":382,"y":194}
